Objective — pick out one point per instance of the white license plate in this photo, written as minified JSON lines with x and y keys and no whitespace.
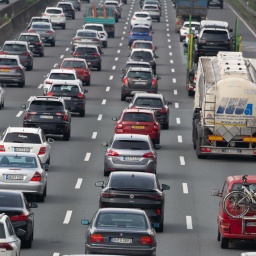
{"x":21,"y":149}
{"x":14,"y":177}
{"x":66,"y":98}
{"x":232,"y":151}
{"x":143,"y":83}
{"x":131,"y":158}
{"x":121,"y":240}
{"x":250,"y":224}
{"x":46,"y":117}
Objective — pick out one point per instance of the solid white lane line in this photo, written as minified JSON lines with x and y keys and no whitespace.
{"x":174,"y":80}
{"x":30,"y":98}
{"x":78,"y":183}
{"x":114,"y":67}
{"x":118,"y":51}
{"x":67,"y":217}
{"x":67,"y":49}
{"x":116,"y":59}
{"x":61,"y":56}
{"x":108,"y":89}
{"x":185,"y":188}
{"x":180,"y":139}
{"x":175,"y":92}
{"x":182,"y":160}
{"x":87,"y":157}
{"x":19,"y":114}
{"x":94,"y":135}
{"x":99,"y":117}
{"x":173,"y":70}
{"x":104,"y":102}
{"x":120,"y":44}
{"x":176,"y":105}
{"x":111,"y":78}
{"x":177,"y":120}
{"x":171,"y":61}
{"x":40,"y":86}
{"x":189,"y":222}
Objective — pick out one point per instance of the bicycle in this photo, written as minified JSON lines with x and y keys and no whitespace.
{"x":238,"y":202}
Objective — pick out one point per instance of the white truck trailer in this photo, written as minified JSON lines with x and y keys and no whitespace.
{"x":224,"y":117}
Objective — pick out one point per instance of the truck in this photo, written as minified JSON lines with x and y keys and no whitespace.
{"x":184,"y":8}
{"x":101,"y":15}
{"x":224,"y":112}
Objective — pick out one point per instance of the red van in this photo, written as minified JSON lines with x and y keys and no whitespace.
{"x":242,"y":228}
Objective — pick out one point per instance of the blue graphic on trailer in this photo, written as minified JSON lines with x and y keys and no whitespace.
{"x":237,"y":106}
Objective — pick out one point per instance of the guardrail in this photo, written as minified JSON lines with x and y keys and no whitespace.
{"x":247,"y":7}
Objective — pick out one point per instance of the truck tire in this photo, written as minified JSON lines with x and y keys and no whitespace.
{"x":191,"y":93}
{"x":218,"y":236}
{"x":194,"y":132}
{"x":224,"y":242}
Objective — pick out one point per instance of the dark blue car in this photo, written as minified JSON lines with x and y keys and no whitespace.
{"x":140,"y":32}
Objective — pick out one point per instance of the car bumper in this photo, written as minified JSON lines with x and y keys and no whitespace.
{"x":130,"y":91}
{"x":11,"y":80}
{"x":33,"y":188}
{"x":75,"y":106}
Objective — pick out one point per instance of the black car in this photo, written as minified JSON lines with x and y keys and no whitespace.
{"x":120,"y":231}
{"x":135,"y":190}
{"x":34,"y":42}
{"x":14,"y":204}
{"x":49,"y":113}
{"x":68,"y":9}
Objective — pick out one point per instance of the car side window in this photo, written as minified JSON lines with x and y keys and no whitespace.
{"x":9,"y":227}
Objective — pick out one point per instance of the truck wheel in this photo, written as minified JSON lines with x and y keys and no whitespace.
{"x":191,"y":93}
{"x":194,"y":132}
{"x":198,"y":152}
{"x":181,"y":39}
{"x":224,"y":242}
{"x":218,"y":236}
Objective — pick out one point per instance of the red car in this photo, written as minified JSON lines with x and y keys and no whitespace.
{"x":81,"y":68}
{"x":139,"y":121}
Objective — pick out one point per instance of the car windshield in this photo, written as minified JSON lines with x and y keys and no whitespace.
{"x":29,"y":38}
{"x":12,"y":201}
{"x":18,"y":161}
{"x":132,"y":182}
{"x":8,"y":62}
{"x":151,"y":102}
{"x":22,"y":138}
{"x":53,"y":11}
{"x":140,"y":30}
{"x":98,"y":28}
{"x":82,"y":50}
{"x":138,"y":117}
{"x":139,"y":74}
{"x":65,"y":88}
{"x":139,"y":55}
{"x":62,"y":76}
{"x":15,"y":47}
{"x":45,"y":105}
{"x":131,"y":144}
{"x":86,"y":34}
{"x":73,"y":64}
{"x":121,"y":220}
{"x":40,"y":26}
{"x":215,"y":35}
{"x":2,"y":231}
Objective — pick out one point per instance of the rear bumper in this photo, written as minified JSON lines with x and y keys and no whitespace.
{"x":32,"y":188}
{"x":11,"y":80}
{"x":128,"y":91}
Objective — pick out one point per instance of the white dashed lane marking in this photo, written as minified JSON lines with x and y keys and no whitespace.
{"x":40,"y":86}
{"x":78,"y":183}
{"x":108,"y":89}
{"x":94,"y":135}
{"x":120,"y":44}
{"x":104,"y":102}
{"x":99,"y":117}
{"x":175,"y":92}
{"x":114,"y":67}
{"x":185,"y":188}
{"x":87,"y":157}
{"x":176,"y":105}
{"x":173,"y":70}
{"x":171,"y":61}
{"x":177,"y":120}
{"x":61,"y":56}
{"x":111,"y":78}
{"x":19,"y":114}
{"x":174,"y":80}
{"x":67,"y":49}
{"x":189,"y":222}
{"x":56,"y":254}
{"x":182,"y":160}
{"x":67,"y":217}
{"x":179,"y":138}
{"x":118,"y":51}
{"x":116,"y":59}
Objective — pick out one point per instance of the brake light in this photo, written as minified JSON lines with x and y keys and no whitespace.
{"x":2,"y":149}
{"x":125,"y":81}
{"x":31,"y":31}
{"x":42,"y":151}
{"x":145,"y":240}
{"x":80,"y":95}
{"x":37,"y":177}
{"x":86,"y":73}
{"x":65,"y":117}
{"x":154,"y":82}
{"x":107,"y":195}
{"x":162,"y":110}
{"x":49,"y":32}
{"x":38,"y":43}
{"x":48,"y":82}
{"x":133,"y":18}
{"x":6,"y":246}
{"x":3,"y":52}
{"x":206,"y":150}
{"x":44,"y":14}
{"x":149,"y":155}
{"x":96,"y":55}
{"x":75,"y":54}
{"x":49,"y":94}
{"x":96,"y":238}
{"x":149,"y":34}
{"x":62,"y":15}
{"x":158,"y":211}
{"x":119,"y":126}
{"x":21,"y":217}
{"x":28,"y":114}
{"x":178,"y":23}
{"x":112,"y":153}
{"x":25,"y":54}
{"x":95,"y":40}
{"x":155,"y":127}
{"x":131,"y":33}
{"x":77,"y":39}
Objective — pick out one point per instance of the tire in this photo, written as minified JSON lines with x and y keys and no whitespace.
{"x":106,"y":173}
{"x":194,"y":132}
{"x":191,"y":93}
{"x":113,"y":35}
{"x":224,"y":243}
{"x":166,"y":126}
{"x":66,"y":136}
{"x":99,"y":68}
{"x":82,"y":114}
{"x":48,"y":160}
{"x":198,"y":153}
{"x":52,"y":43}
{"x":158,"y":19}
{"x":105,"y":45}
{"x":21,"y":84}
{"x":221,"y":7}
{"x":64,"y":26}
{"x":27,"y":243}
{"x":218,"y":236}
{"x":3,"y":104}
{"x":181,"y":39}
{"x":73,"y":17}
{"x":88,"y":83}
{"x":29,"y":68}
{"x":123,"y":97}
{"x":236,"y":204}
{"x":40,"y":198}
{"x":41,"y":54}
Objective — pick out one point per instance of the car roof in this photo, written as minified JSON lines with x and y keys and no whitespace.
{"x":41,"y":23}
{"x":74,"y":59}
{"x":23,"y":129}
{"x":10,"y":192}
{"x":216,"y":23}
{"x":125,"y":174}
{"x":141,"y":50}
{"x":86,"y":30}
{"x":140,"y":69}
{"x":66,"y":71}
{"x":15,"y":42}
{"x":140,"y":26}
{"x":121,"y":210}
{"x":47,"y":98}
{"x":143,"y":41}
{"x":141,"y":12}
{"x":130,"y":136}
{"x":86,"y":46}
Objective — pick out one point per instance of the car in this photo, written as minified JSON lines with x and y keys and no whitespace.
{"x":117,"y":4}
{"x":139,"y":79}
{"x":138,"y":121}
{"x":144,"y":55}
{"x":90,"y":53}
{"x":120,"y":231}
{"x":14,"y":204}
{"x":24,"y":172}
{"x":34,"y":41}
{"x":46,"y":32}
{"x":21,"y":49}
{"x":134,"y":152}
{"x":56,"y":15}
{"x":215,"y":3}
{"x":184,"y":31}
{"x":140,"y":32}
{"x":38,"y":19}
{"x":11,"y":71}
{"x":116,"y":14}
{"x":154,"y":102}
{"x":9,"y":241}
{"x":143,"y":188}
{"x":152,"y":10}
{"x":138,"y":64}
{"x":30,"y":140}
{"x":141,"y":18}
{"x":68,"y":9}
{"x":76,"y":4}
{"x":60,"y":75}
{"x":72,"y":93}
{"x":86,"y":36}
{"x":101,"y":30}
{"x":142,"y":44}
{"x":49,"y":113}
{"x":153,"y":2}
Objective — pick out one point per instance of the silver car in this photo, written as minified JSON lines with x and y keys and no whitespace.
{"x":23,"y":172}
{"x":127,"y":152}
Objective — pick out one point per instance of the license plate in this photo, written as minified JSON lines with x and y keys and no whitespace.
{"x":54,"y":16}
{"x":232,"y":151}
{"x":121,"y":240}
{"x":31,"y":46}
{"x":4,"y":70}
{"x":250,"y":224}
{"x":131,"y":158}
{"x":143,"y":83}
{"x":89,"y":63}
{"x":66,"y":98}
{"x":21,"y":149}
{"x":46,"y":117}
{"x":14,"y":177}
{"x":141,"y":127}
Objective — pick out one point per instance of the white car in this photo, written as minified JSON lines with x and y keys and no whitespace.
{"x":2,"y":96}
{"x":141,"y":18}
{"x":56,"y":15}
{"x":101,"y":31}
{"x":25,"y":139}
{"x":184,"y":31}
{"x":113,"y":2}
{"x":58,"y":75}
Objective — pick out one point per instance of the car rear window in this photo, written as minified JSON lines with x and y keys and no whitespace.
{"x":66,"y":6}
{"x":12,"y":201}
{"x":151,"y":7}
{"x":149,"y":102}
{"x":8,"y":62}
{"x":141,"y":15}
{"x":138,"y":117}
{"x":22,"y":138}
{"x":86,"y":34}
{"x":65,"y":88}
{"x":18,"y":161}
{"x":81,"y":50}
{"x":143,"y":45}
{"x":139,"y":74}
{"x":40,"y":20}
{"x":53,"y":11}
{"x":73,"y":64}
{"x":140,"y":30}
{"x":29,"y":38}
{"x":215,"y":35}
{"x":132,"y":182}
{"x":40,"y":26}
{"x":141,"y":55}
{"x":2,"y":231}
{"x":97,"y":28}
{"x":131,"y":144}
{"x":46,"y":105}
{"x":238,"y":186}
{"x":62,"y":76}
{"x":15,"y":47}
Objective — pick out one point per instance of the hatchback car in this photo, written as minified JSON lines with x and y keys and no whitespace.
{"x":68,"y":9}
{"x":120,"y":231}
{"x":56,"y":15}
{"x":141,"y":18}
{"x":38,"y":19}
{"x":138,"y":121}
{"x":11,"y":71}
{"x":133,"y":152}
{"x":154,"y":102}
{"x":24,"y":172}
{"x":21,"y":49}
{"x":49,"y":113}
{"x":140,"y":32}
{"x":142,"y":44}
{"x":46,"y":32}
{"x":134,"y":64}
{"x":34,"y":42}
{"x":72,"y":93}
{"x":139,"y":79}
{"x":14,"y":204}
{"x":80,"y":66}
{"x":135,"y":190}
{"x":184,"y":31}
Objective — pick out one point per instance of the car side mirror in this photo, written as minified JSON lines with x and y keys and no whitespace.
{"x":85,"y":222}
{"x":20,"y":232}
{"x":23,"y":106}
{"x":56,"y":65}
{"x":114,"y":118}
{"x":85,"y":90}
{"x":165,"y":187}
{"x":104,"y":144}
{"x":99,"y":184}
{"x":157,"y":146}
{"x":169,"y":103}
{"x":156,"y":47}
{"x":216,"y":192}
{"x":156,"y":56}
{"x":32,"y":205}
{"x":128,"y":99}
{"x":50,"y":140}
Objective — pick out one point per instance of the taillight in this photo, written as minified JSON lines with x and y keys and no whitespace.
{"x":37,"y":43}
{"x":149,"y":155}
{"x":25,"y":54}
{"x":37,"y":177}
{"x":28,"y":114}
{"x":154,"y":82}
{"x":131,"y":33}
{"x":96,"y":238}
{"x":49,"y":32}
{"x":80,"y":95}
{"x":158,"y":211}
{"x":48,"y":82}
{"x":155,"y":127}
{"x":125,"y":81}
{"x":178,"y":22}
{"x":133,"y":18}
{"x":65,"y":117}
{"x":206,"y":150}
{"x":31,"y":31}
{"x":107,"y":195}
{"x":44,"y":14}
{"x":145,"y":240}
{"x":3,"y":52}
{"x":49,"y":94}
{"x":95,"y":40}
{"x":75,"y":54}
{"x":149,"y":34}
{"x":42,"y":151}
{"x":112,"y":153}
{"x":119,"y":126}
{"x":6,"y":246}
{"x":77,"y":39}
{"x":2,"y":149}
{"x":62,"y":15}
{"x":21,"y":217}
{"x":162,"y":111}
{"x":96,"y":55}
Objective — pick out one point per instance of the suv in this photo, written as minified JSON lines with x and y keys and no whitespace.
{"x":68,"y":9}
{"x":56,"y":15}
{"x":214,"y":36}
{"x":139,"y":79}
{"x":50,"y":114}
{"x":38,"y":19}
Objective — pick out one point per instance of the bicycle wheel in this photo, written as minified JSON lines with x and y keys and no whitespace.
{"x":236,"y":204}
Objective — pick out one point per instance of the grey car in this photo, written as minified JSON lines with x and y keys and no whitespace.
{"x":76,"y":4}
{"x":134,"y":64}
{"x":122,"y":231}
{"x":23,"y":172}
{"x":130,"y":152}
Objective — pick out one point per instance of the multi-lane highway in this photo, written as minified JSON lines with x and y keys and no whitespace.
{"x":190,"y":214}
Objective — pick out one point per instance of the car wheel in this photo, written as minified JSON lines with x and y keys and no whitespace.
{"x":41,"y":54}
{"x":66,"y":136}
{"x":191,"y":93}
{"x":3,"y":104}
{"x":224,"y":242}
{"x":105,"y":45}
{"x":53,"y":43}
{"x":82,"y":113}
{"x":158,"y":19}
{"x":181,"y":39}
{"x":21,"y":84}
{"x":123,"y":97}
{"x":29,"y":68}
{"x":73,"y":17}
{"x":27,"y":243}
{"x":40,"y":198}
{"x":64,"y":26}
{"x":106,"y":173}
{"x":113,"y":35}
{"x":48,"y":160}
{"x":88,"y":83}
{"x":218,"y":236}
{"x":166,"y":126}
{"x":99,"y":68}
